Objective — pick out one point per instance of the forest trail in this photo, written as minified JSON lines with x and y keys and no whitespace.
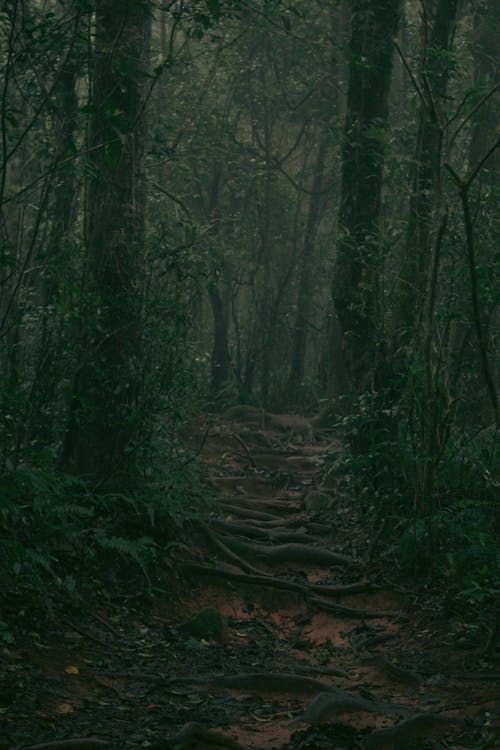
{"x":279,"y":631}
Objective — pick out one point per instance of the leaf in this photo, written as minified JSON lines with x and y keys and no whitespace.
{"x":65,"y":708}
{"x":72,"y":670}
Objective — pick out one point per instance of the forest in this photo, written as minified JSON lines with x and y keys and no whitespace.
{"x":249,"y":313}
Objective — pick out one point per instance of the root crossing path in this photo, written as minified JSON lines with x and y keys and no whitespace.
{"x":279,"y":628}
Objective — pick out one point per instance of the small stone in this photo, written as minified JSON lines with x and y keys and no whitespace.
{"x":207,"y":624}
{"x":317,"y":501}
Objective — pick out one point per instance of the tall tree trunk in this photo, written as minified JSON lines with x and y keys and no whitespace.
{"x":485,"y":124}
{"x":104,"y":418}
{"x":428,"y":163}
{"x":373,"y":27}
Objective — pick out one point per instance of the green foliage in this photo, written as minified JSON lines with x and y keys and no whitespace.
{"x":457,"y":537}
{"x":56,"y":532}
{"x":379,"y":460}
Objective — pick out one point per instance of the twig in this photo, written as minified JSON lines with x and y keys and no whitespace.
{"x":245,"y":448}
{"x":410,"y":73}
{"x":85,"y":634}
{"x":173,"y":198}
{"x":106,"y":624}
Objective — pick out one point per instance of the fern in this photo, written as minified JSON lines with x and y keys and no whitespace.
{"x":55,"y":530}
{"x":142,"y":551}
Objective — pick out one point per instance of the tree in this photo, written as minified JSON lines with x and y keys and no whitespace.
{"x":359,"y":252}
{"x":437,"y":64}
{"x":104,"y":413}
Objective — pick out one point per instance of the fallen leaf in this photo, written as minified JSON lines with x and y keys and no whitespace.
{"x":72,"y":670}
{"x":65,"y":708}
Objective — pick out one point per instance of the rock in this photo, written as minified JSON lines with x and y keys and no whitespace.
{"x":318,"y":502}
{"x":208,"y":624}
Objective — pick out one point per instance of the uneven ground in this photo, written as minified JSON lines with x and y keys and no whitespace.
{"x":305,"y":640}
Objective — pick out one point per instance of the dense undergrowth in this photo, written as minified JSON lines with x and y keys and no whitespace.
{"x":451,"y":538}
{"x":61,"y":538}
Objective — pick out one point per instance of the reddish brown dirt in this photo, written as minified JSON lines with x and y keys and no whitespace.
{"x":126,"y":673}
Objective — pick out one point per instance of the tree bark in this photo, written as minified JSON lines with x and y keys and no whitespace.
{"x":58,"y":260}
{"x":486,"y":32}
{"x":306,"y":265}
{"x":104,"y":417}
{"x":428,"y":165}
{"x":373,"y":27}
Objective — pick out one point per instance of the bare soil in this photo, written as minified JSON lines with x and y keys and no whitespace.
{"x":316,"y":642}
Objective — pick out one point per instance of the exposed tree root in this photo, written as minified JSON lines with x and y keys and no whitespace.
{"x":306,"y":590}
{"x":285,"y":523}
{"x":302,"y":553}
{"x":195,"y":734}
{"x":363,"y":614}
{"x":83,"y":743}
{"x":278,"y":534}
{"x":263,"y":682}
{"x":248,"y":513}
{"x":328,"y":704}
{"x":317,"y":528}
{"x":259,"y":503}
{"x":285,"y":462}
{"x":393,"y":671}
{"x":414,"y":728}
{"x":234,"y":483}
{"x":245,"y":448}
{"x":219,"y":546}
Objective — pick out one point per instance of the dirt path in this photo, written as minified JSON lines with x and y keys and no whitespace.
{"x":277,"y":630}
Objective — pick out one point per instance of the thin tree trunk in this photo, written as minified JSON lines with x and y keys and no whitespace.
{"x":306,"y":265}
{"x":220,"y":349}
{"x":57,"y":257}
